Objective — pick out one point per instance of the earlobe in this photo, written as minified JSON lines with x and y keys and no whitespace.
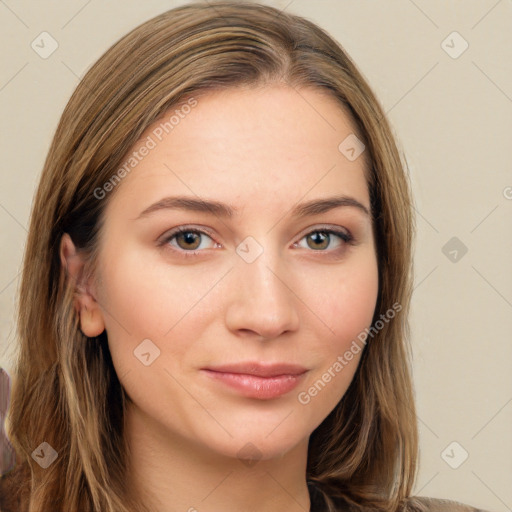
{"x":91,"y":321}
{"x":91,"y":317}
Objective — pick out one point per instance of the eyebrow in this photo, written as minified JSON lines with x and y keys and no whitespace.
{"x":309,"y":208}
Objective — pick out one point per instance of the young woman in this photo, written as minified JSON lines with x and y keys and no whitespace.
{"x":216,"y":285}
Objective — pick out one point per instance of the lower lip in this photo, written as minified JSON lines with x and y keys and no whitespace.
{"x":251,"y":386}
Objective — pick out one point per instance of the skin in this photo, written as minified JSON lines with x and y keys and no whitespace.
{"x":303,"y":300}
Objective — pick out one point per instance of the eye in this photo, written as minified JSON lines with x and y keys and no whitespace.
{"x":321,"y":239}
{"x":191,"y":241}
{"x":187,"y":239}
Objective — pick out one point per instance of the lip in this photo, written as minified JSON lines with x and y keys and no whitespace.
{"x":256,"y":380}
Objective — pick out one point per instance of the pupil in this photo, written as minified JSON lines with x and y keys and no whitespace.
{"x":190,"y":238}
{"x":317,"y":238}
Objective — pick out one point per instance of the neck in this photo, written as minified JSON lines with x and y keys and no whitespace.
{"x":172,"y":473}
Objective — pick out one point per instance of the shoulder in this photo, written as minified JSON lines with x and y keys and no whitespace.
{"x":410,"y":504}
{"x":424,"y":504}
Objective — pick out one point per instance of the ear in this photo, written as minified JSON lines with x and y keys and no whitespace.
{"x":91,"y":317}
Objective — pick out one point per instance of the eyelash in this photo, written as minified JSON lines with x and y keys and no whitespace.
{"x":345,"y":237}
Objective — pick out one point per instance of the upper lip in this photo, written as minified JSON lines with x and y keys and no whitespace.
{"x":259,"y":369}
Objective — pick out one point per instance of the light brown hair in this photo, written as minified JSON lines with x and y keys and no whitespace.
{"x":65,"y":388}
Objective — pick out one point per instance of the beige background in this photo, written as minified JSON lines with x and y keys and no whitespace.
{"x":453,"y":118}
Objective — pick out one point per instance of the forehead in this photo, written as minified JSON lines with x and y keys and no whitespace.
{"x":247,"y":144}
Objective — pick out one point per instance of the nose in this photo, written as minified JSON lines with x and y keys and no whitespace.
{"x":262,"y":302}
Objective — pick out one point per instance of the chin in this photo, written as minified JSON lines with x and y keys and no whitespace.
{"x":262,"y":441}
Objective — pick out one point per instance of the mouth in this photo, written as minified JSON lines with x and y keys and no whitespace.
{"x":256,"y":380}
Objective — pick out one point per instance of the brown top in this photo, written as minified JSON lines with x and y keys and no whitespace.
{"x":11,"y":499}
{"x":413,"y":504}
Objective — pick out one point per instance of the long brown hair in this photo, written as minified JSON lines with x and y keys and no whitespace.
{"x":65,"y":389}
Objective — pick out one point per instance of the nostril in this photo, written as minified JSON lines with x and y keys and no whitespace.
{"x":250,"y":333}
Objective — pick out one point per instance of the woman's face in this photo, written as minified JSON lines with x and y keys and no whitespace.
{"x":249,"y":280}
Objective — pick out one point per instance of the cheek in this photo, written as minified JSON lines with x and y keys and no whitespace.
{"x":345,"y":297}
{"x":353,"y":309}
{"x":147,"y":297}
{"x":348,"y":305}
